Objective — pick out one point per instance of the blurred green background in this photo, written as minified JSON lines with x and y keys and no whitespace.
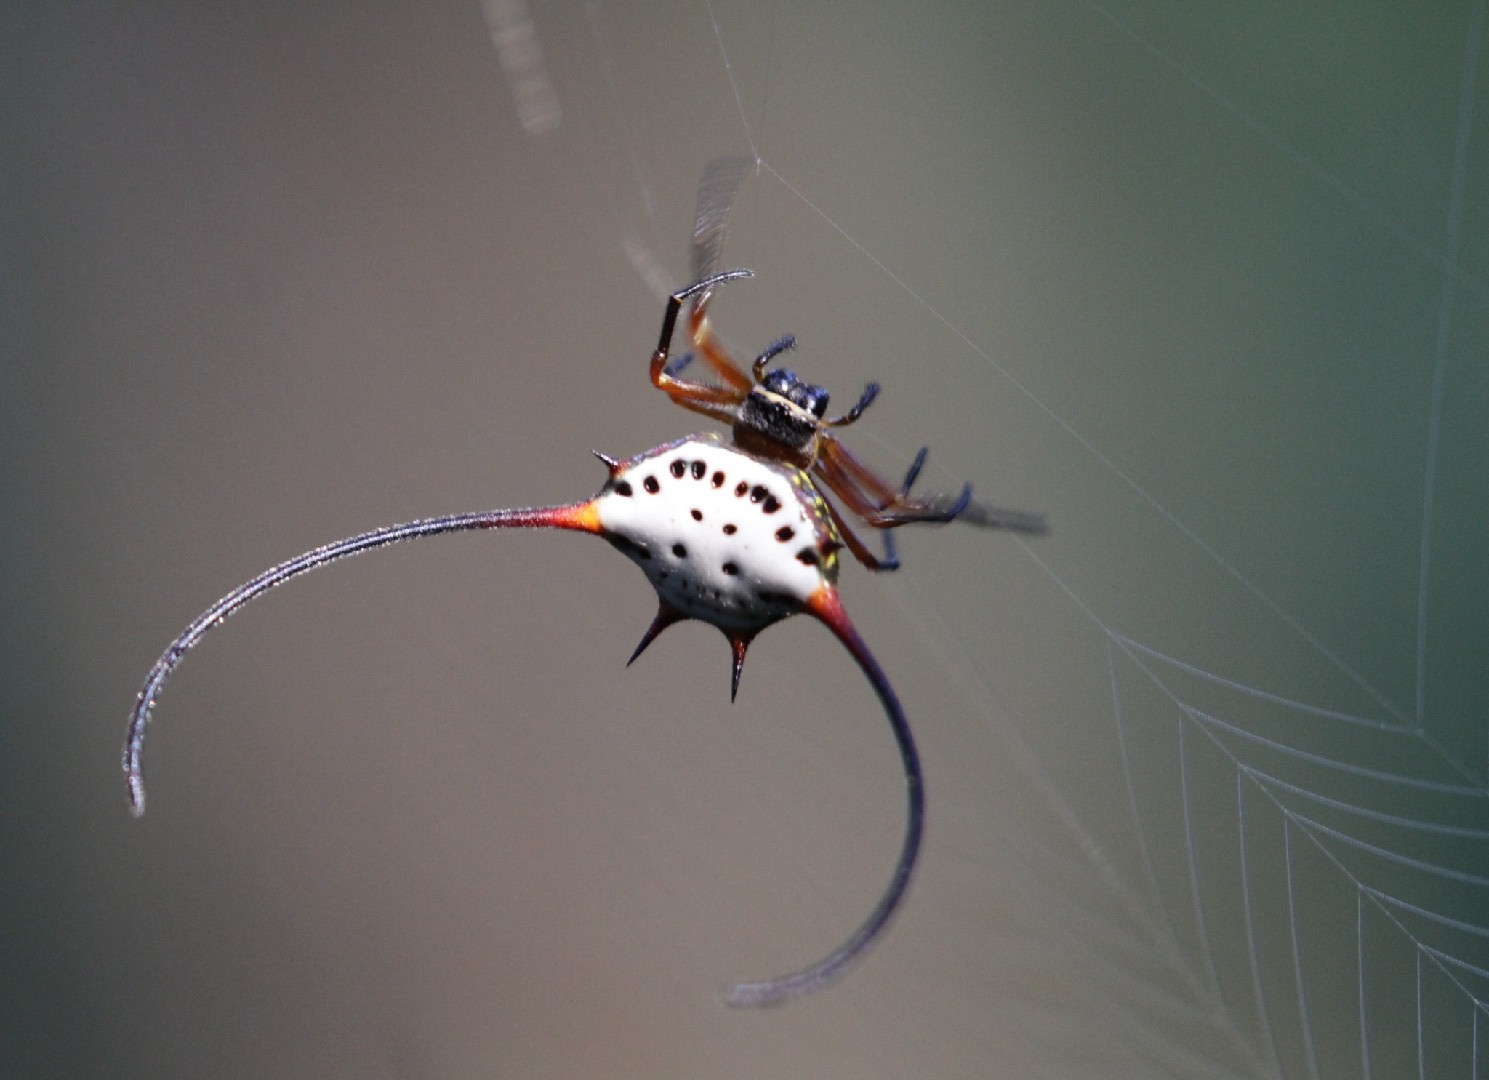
{"x":1207,"y":283}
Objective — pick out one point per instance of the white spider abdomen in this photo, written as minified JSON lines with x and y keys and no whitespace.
{"x":725,"y":537}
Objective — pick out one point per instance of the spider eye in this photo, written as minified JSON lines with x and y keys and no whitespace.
{"x":780,"y":381}
{"x":787,"y":384}
{"x":811,"y":398}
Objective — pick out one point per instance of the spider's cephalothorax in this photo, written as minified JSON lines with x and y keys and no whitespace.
{"x":733,"y":534}
{"x":781,"y":417}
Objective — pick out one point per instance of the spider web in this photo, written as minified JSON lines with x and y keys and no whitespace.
{"x":1207,"y":766}
{"x":1276,"y":564}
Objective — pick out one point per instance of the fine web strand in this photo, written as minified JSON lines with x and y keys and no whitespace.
{"x":1294,"y":928}
{"x":1286,"y":149}
{"x":1443,"y":337}
{"x":1291,"y":781}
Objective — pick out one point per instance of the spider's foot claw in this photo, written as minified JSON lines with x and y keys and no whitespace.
{"x":891,"y":558}
{"x":913,"y":472}
{"x":963,"y":501}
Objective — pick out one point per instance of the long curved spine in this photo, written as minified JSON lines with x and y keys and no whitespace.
{"x":826,"y":606}
{"x":578,"y":516}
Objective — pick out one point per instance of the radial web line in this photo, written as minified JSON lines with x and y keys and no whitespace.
{"x":1304,"y":162}
{"x":1195,"y":896}
{"x":1308,"y":826}
{"x":1293,"y":927}
{"x":1440,"y":348}
{"x":1436,"y":828}
{"x":1262,"y":695}
{"x":1464,"y":966}
{"x":1382,"y":900}
{"x":1421,"y":1025}
{"x":1209,"y":721}
{"x":1253,"y":953}
{"x":744,"y":120}
{"x":1478,"y":1023}
{"x":1137,"y":822}
{"x":1360,"y":984}
{"x":1385,"y":901}
{"x":1313,"y":827}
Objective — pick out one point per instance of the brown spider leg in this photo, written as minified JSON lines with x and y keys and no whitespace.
{"x":942,"y":508}
{"x":706,"y":345}
{"x":718,"y":402}
{"x":849,"y":490}
{"x":834,"y":462}
{"x":870,"y":497}
{"x":854,"y":543}
{"x":865,"y":492}
{"x":870,"y":392}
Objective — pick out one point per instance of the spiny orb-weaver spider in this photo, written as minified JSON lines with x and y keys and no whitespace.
{"x":733,"y":533}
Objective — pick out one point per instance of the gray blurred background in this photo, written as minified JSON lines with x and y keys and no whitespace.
{"x":1207,"y":283}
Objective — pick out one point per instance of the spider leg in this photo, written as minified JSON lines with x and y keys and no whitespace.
{"x":865,"y":399}
{"x":891,"y":553}
{"x":868,"y":494}
{"x":675,"y":367}
{"x":700,"y":330}
{"x":774,"y":349}
{"x":854,"y":543}
{"x":847,"y":487}
{"x":951,"y":512}
{"x":870,"y":497}
{"x":965,"y":508}
{"x":998,"y":517}
{"x":718,"y":402}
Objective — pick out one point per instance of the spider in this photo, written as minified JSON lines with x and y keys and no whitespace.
{"x":734,"y":533}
